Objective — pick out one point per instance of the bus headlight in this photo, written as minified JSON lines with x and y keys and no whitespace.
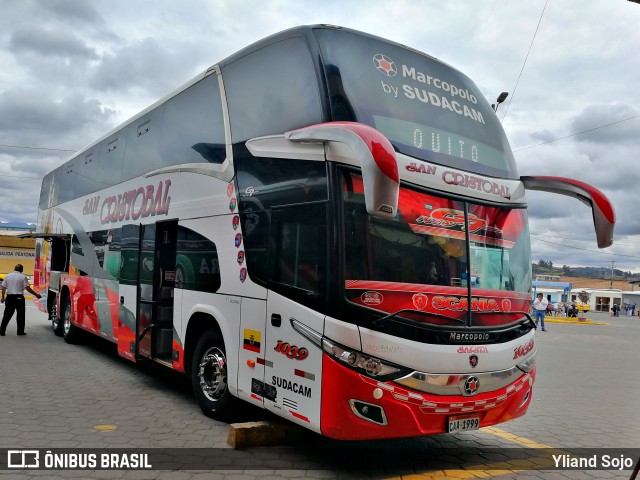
{"x":366,"y":364}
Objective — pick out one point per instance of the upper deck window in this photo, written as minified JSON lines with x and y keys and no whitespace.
{"x":272,"y":90}
{"x":427,"y":109}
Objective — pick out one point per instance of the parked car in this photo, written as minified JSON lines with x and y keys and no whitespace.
{"x":583,"y":307}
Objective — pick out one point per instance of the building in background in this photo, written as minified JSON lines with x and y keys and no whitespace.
{"x":555,"y":292}
{"x":14,"y":249}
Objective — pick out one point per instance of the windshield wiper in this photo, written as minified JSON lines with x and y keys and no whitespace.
{"x":378,"y":322}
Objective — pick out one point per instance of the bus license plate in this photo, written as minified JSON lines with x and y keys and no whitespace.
{"x":463,"y":422}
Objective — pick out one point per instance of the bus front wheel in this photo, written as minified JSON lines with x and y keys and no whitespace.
{"x":209,"y":377}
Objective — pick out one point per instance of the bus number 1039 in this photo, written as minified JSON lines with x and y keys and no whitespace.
{"x":291,"y":351}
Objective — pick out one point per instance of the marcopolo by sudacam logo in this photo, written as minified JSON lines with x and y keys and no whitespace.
{"x":385,"y":65}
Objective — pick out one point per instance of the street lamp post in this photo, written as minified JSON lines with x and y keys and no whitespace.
{"x":501,"y":98}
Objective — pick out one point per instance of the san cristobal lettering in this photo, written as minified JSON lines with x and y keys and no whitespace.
{"x":137,"y":203}
{"x":291,"y":386}
{"x":476,"y":183}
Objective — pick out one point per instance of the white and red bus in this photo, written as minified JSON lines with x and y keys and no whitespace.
{"x":326,"y":224}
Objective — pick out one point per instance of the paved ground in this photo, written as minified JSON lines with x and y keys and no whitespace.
{"x":55,"y":396}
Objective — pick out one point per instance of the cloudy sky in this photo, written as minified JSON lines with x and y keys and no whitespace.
{"x":71,"y":70}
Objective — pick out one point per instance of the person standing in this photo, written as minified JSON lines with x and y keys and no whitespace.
{"x":14,"y":286}
{"x":540,"y":307}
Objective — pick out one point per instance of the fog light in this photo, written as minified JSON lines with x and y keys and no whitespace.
{"x":367,"y":411}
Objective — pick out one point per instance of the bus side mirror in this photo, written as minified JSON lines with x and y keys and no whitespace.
{"x":374,"y":154}
{"x":604,"y":218}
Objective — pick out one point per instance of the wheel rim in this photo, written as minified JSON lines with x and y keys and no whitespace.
{"x":67,"y":320}
{"x":213,"y":374}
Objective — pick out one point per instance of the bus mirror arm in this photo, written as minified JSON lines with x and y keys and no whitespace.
{"x":604,"y":218}
{"x":374,"y":153}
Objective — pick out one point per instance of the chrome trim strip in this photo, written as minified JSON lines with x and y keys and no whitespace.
{"x":453,"y":384}
{"x":307,"y":332}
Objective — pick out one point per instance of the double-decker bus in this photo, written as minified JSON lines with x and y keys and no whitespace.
{"x":326,"y":224}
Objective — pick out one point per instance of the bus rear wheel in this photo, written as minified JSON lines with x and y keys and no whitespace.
{"x":57,"y":325}
{"x":70,"y":332}
{"x":209,"y":377}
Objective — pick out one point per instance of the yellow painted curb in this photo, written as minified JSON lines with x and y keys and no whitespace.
{"x":573,"y":321}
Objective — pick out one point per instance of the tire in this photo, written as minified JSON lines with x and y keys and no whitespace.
{"x":209,"y":377}
{"x":56,"y":321}
{"x":57,"y":325}
{"x":70,"y":332}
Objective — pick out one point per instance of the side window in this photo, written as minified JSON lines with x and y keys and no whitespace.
{"x":129,"y":254}
{"x":65,"y":178}
{"x":299,"y":246}
{"x":77,"y":251}
{"x":113,"y":256}
{"x":272,"y":90}
{"x":106,"y":244}
{"x":193,"y":126}
{"x":255,"y":229}
{"x":267,"y":182}
{"x":141,"y":154}
{"x":87,"y":166}
{"x":197,"y":265}
{"x":48,"y":192}
{"x":100,"y":245}
{"x":109,"y":168}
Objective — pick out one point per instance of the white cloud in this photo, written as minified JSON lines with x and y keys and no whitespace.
{"x":72,"y":69}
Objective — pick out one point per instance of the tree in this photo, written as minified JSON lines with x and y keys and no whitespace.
{"x":584,"y":297}
{"x":566,"y":270}
{"x":545,"y":264}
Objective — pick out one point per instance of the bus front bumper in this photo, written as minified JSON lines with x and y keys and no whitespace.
{"x":357,"y":407}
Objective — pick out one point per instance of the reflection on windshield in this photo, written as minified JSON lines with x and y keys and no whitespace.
{"x":419,"y":260}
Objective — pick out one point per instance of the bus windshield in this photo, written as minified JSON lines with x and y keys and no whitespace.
{"x":427,"y":109}
{"x":432,"y":255}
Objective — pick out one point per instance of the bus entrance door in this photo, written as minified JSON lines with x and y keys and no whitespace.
{"x":155,"y":291}
{"x":293,"y":352}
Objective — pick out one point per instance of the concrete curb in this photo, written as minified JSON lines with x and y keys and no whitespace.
{"x":264,"y":434}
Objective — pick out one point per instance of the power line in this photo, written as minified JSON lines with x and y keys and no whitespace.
{"x":38,"y":148}
{"x":589,"y":235}
{"x":20,"y":176}
{"x":585,"y":249}
{"x":578,"y":133}
{"x":525,"y":60}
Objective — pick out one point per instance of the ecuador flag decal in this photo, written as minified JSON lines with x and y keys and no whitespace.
{"x":252,"y":340}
